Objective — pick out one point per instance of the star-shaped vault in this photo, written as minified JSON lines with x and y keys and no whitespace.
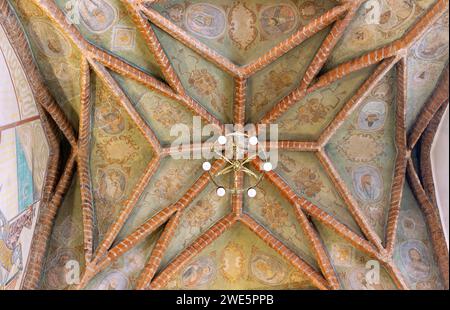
{"x":101,"y":71}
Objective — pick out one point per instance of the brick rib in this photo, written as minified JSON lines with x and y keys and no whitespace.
{"x":400,"y":164}
{"x":194,"y":249}
{"x":298,"y":146}
{"x":433,"y":220}
{"x":426,"y":169}
{"x":125,"y":212}
{"x":294,"y":40}
{"x":148,"y":227}
{"x":16,"y":36}
{"x":437,"y":99}
{"x":359,"y":96}
{"x":315,"y":277}
{"x":160,"y":248}
{"x":237,"y":199}
{"x":319,"y":249}
{"x":240,"y":98}
{"x":396,"y":275}
{"x":92,"y":52}
{"x":390,"y":50}
{"x":115,"y":89}
{"x":155,"y":47}
{"x":87,"y":201}
{"x":322,"y":216}
{"x":44,"y":226}
{"x":319,"y":60}
{"x":197,"y":46}
{"x":125,"y":245}
{"x":350,"y":201}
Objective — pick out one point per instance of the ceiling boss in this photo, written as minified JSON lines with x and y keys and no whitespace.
{"x":238,"y":150}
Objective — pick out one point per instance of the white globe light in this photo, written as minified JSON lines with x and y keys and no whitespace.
{"x":222,"y":140}
{"x":206,"y":166}
{"x":251,"y":193}
{"x":253,"y":140}
{"x":221,"y":192}
{"x":267,"y":167}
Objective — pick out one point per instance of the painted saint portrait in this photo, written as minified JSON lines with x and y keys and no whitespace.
{"x":49,"y":40}
{"x":113,"y":281}
{"x":367,"y":183}
{"x":205,"y":20}
{"x":434,"y":44}
{"x":112,"y":184}
{"x":267,"y":269}
{"x":110,"y":120}
{"x":372,"y":116}
{"x":278,"y":19}
{"x":55,"y":268}
{"x":415,"y":260}
{"x":199,"y":273}
{"x":175,"y":13}
{"x":97,"y":15}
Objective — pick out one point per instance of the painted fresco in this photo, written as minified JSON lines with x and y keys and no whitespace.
{"x":363,"y":150}
{"x":351,"y":265}
{"x":378,"y":22}
{"x":309,"y":117}
{"x":160,"y":113}
{"x":203,"y":213}
{"x":278,"y":216}
{"x":119,"y":156}
{"x":278,"y":79}
{"x":24,"y":154}
{"x":56,"y":57}
{"x":306,"y":175}
{"x":66,"y":242}
{"x":242,"y":30}
{"x":203,"y":81}
{"x":426,"y":62}
{"x":166,"y":187}
{"x":15,"y":240}
{"x":238,"y":260}
{"x":414,"y":251}
{"x":123,"y":273}
{"x":107,"y":24}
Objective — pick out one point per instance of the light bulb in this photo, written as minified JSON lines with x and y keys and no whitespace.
{"x":253,"y":140}
{"x":222,"y":140}
{"x":251,"y":193}
{"x":206,"y":166}
{"x":267,"y":167}
{"x":221,"y":192}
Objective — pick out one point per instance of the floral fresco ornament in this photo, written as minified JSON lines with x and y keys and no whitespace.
{"x":242,"y":23}
{"x":232,"y":262}
{"x":360,"y":148}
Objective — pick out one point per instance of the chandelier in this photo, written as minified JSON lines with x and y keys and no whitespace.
{"x":237,"y":150}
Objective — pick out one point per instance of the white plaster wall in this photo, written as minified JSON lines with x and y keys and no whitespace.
{"x":440,"y":164}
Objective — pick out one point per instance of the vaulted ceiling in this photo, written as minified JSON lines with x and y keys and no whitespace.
{"x":357,"y":89}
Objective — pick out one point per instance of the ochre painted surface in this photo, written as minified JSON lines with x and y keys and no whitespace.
{"x":363,"y":150}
